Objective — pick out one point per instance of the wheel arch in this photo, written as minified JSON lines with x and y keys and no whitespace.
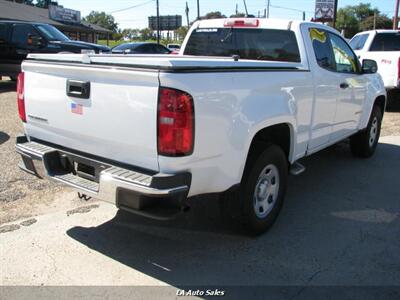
{"x":281,"y":134}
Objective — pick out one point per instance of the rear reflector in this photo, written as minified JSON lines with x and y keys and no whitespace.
{"x":20,"y":96}
{"x":241,"y":23}
{"x":175,"y":123}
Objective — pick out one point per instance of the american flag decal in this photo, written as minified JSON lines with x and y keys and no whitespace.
{"x":76,"y":108}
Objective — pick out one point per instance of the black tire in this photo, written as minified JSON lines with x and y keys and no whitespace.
{"x":245,"y":195}
{"x":364,"y":143}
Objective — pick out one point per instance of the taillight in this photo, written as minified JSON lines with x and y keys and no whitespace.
{"x":20,"y":96}
{"x":241,"y":23}
{"x":175,"y":123}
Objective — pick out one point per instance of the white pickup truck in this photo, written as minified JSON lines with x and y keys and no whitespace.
{"x":232,"y":114}
{"x":383,"y":46}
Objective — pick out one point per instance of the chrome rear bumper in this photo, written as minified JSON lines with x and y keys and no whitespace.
{"x":127,"y":188}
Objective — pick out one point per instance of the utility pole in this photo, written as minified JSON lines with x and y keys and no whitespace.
{"x":236,"y":9}
{"x":245,"y":7}
{"x":187,"y":14}
{"x":198,"y":9}
{"x":158,"y":22}
{"x":334,"y":15}
{"x":374,"y":20}
{"x":268,"y":4}
{"x":396,"y":16}
{"x":304,"y":15}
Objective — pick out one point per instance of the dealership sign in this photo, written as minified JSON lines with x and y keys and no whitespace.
{"x":59,"y":13}
{"x":324,"y":10}
{"x":166,"y":22}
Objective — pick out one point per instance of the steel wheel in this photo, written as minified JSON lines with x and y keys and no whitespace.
{"x":266,"y":191}
{"x":373,"y":132}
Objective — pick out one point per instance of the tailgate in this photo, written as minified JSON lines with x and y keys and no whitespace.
{"x":116,"y":120}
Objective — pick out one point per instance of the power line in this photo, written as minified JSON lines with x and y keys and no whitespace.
{"x":289,"y":8}
{"x":130,"y":7}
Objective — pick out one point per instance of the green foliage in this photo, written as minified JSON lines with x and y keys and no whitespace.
{"x":43,"y":3}
{"x":102,"y":19}
{"x":146,"y":33}
{"x":181,"y":32}
{"x":238,"y":15}
{"x":213,"y":15}
{"x":382,"y":22}
{"x":356,"y":18}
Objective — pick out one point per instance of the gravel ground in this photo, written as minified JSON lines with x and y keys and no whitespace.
{"x":22,"y":195}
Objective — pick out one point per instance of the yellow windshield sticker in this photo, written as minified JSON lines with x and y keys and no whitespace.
{"x":318,"y":35}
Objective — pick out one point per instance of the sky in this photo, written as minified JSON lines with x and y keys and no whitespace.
{"x":136,"y":17}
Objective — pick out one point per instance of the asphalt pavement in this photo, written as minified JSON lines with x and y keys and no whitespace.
{"x":340,"y":226}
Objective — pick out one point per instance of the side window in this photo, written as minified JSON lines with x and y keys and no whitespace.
{"x":20,"y":34}
{"x":386,"y":42}
{"x":3,"y":33}
{"x":345,"y":59}
{"x":143,"y":49}
{"x":160,"y":49}
{"x":322,"y":49}
{"x":358,"y":42}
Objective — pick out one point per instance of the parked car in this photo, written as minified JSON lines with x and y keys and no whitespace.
{"x":174,"y":47}
{"x":140,"y":48}
{"x":383,"y":46}
{"x":146,"y":133}
{"x":18,"y":39}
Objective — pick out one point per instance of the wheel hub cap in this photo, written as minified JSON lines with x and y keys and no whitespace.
{"x":266,"y":191}
{"x":373,"y":132}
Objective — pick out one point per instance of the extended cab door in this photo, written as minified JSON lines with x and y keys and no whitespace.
{"x":352,"y":90}
{"x":326,"y":85}
{"x":339,"y":88}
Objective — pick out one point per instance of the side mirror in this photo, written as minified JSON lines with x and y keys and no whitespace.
{"x":34,"y":40}
{"x":369,"y":66}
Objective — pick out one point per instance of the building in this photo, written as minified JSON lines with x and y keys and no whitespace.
{"x":66,"y":20}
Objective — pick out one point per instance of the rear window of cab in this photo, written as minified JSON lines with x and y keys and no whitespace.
{"x":256,"y":44}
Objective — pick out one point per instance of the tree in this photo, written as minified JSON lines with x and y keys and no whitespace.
{"x":181,"y":32}
{"x":130,"y":33}
{"x":347,"y":21}
{"x":213,"y":15}
{"x":102,"y":19}
{"x":355,"y":18}
{"x":44,"y":3}
{"x":238,"y":15}
{"x":146,"y":34}
{"x":382,"y":22}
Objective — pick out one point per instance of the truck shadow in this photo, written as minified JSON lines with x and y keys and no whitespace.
{"x":393,"y":101}
{"x":341,"y":212}
{"x":7,"y":86}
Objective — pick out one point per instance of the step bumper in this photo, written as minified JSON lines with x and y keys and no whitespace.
{"x":127,"y":187}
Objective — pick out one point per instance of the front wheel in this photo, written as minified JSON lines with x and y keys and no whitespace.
{"x":262,"y":190}
{"x":364,"y":143}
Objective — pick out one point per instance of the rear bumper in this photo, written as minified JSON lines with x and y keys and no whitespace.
{"x":159,"y":196}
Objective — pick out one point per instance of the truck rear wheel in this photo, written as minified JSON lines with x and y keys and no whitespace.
{"x":363,"y":143}
{"x":262,"y":190}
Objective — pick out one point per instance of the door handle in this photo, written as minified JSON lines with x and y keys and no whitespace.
{"x":78,"y":89}
{"x":344,"y":85}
